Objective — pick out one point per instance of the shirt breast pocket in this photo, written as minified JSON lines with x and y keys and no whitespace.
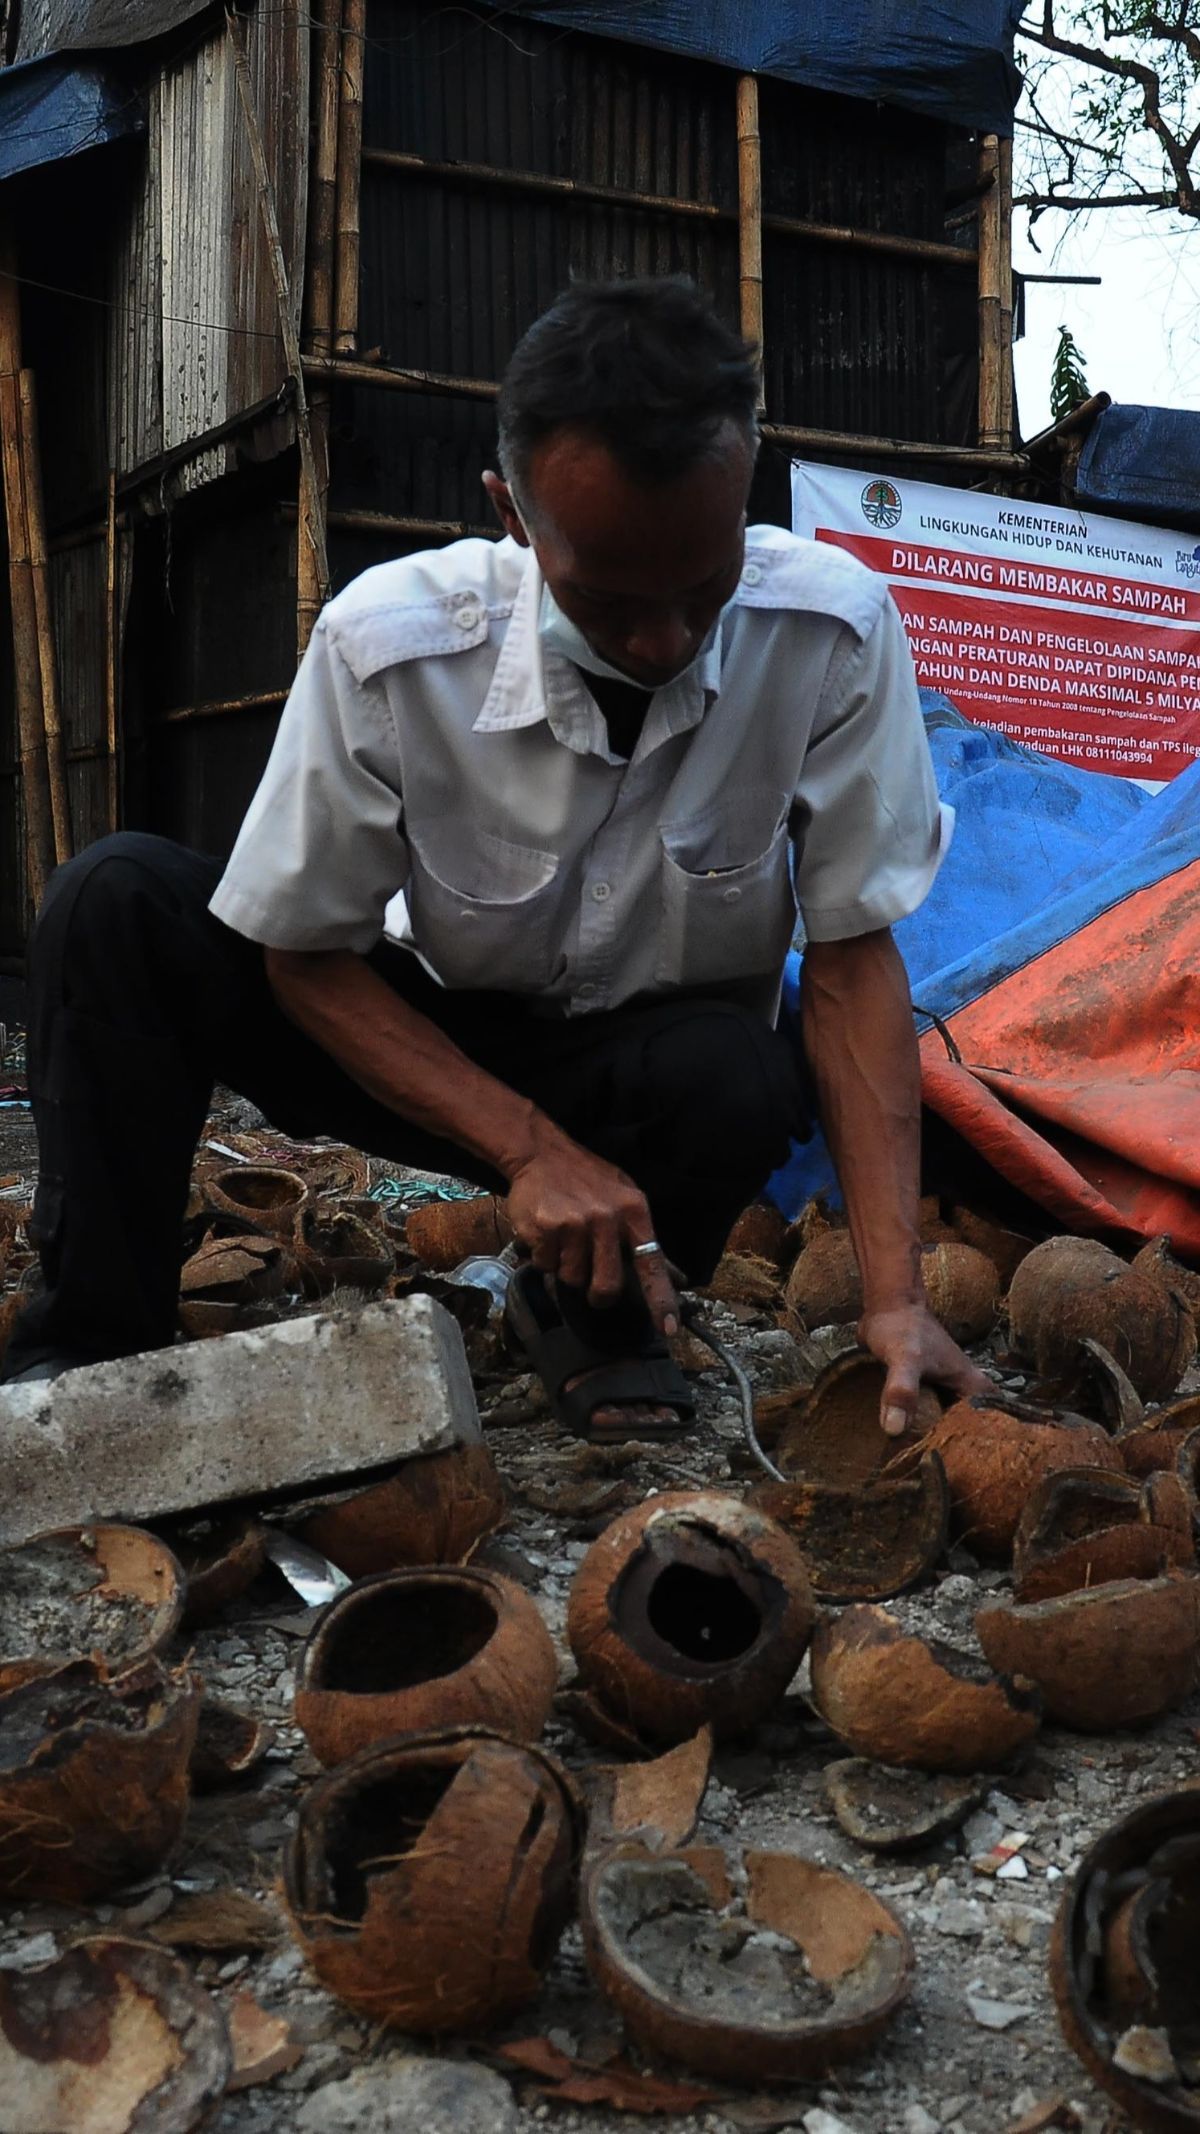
{"x":723,"y":916}
{"x":483,"y":910}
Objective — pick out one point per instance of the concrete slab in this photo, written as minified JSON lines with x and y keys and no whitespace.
{"x":246,"y":1415}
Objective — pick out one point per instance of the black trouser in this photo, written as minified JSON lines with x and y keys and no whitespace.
{"x":140,"y":1001}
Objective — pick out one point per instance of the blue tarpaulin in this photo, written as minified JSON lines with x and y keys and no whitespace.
{"x":1029,"y":831}
{"x":1145,"y":464}
{"x":951,"y":63}
{"x":54,"y":108}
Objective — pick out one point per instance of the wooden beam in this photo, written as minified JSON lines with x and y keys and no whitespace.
{"x":991,"y":412}
{"x":349,"y":178}
{"x":750,"y":225}
{"x":27,"y":678}
{"x":43,"y":600}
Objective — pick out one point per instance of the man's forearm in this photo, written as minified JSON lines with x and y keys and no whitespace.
{"x":404,"y":1061}
{"x":858,"y":1032}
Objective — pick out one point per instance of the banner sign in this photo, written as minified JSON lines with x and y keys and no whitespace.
{"x":1075,"y":634}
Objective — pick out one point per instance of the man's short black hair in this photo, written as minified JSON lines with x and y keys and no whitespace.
{"x":645,"y":366}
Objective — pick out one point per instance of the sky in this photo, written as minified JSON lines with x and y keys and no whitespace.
{"x":1139,"y":331}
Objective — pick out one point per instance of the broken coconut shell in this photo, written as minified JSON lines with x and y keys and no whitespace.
{"x":112,"y":1591}
{"x":93,"y":1777}
{"x":1122,"y":1959}
{"x":1157,"y":1259}
{"x":407,"y":1650}
{"x":220,"y":1559}
{"x":962,"y":1289}
{"x":769,"y":1968}
{"x":694,"y":1607}
{"x":1096,"y":1387}
{"x":1110,"y":1656}
{"x":429,"y":1879}
{"x":833,"y":1436}
{"x":1072,"y":1287}
{"x":1084,"y":1526}
{"x":229,"y":1745}
{"x":1155,"y":1443}
{"x":762,"y":1231}
{"x":262,"y":1196}
{"x":657,"y":1802}
{"x":903,"y":1699}
{"x":436,"y":1509}
{"x":334,"y":1248}
{"x":996,"y":1455}
{"x":114,"y":2037}
{"x":444,"y":1232}
{"x":890,"y":1810}
{"x":866,"y":1543}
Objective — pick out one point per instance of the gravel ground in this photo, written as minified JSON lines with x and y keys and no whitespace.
{"x":981,"y":1943}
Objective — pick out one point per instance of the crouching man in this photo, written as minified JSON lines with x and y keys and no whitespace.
{"x":514,"y":896}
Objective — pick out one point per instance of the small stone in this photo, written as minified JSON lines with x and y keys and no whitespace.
{"x":1145,"y":2054}
{"x":39,"y":1949}
{"x":1013,"y":1870}
{"x":820,"y":2122}
{"x":396,"y":2095}
{"x":981,"y":1831}
{"x":997,"y":2015}
{"x":145,"y":1911}
{"x":963,"y":1917}
{"x":918,"y":2121}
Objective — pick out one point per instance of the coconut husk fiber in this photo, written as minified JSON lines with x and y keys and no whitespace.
{"x":870,"y":1542}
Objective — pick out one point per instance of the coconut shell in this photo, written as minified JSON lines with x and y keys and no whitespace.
{"x":1111,"y":1656}
{"x":867,"y":1543}
{"x":832,"y":1435}
{"x":824,"y":1287}
{"x":1071,"y":1288}
{"x":1086,"y":1527}
{"x":233,"y":1270}
{"x":444,"y":1232}
{"x":1096,"y":1387}
{"x":334,"y":1248}
{"x":114,"y":2037}
{"x":1004,"y":1248}
{"x":914,"y":1701}
{"x":113,"y":1592}
{"x":429,"y":1880}
{"x":436,"y":1509}
{"x":220,"y":1559}
{"x":760,"y":1231}
{"x":744,"y":1278}
{"x":963,"y":1290}
{"x":1156,"y":1442}
{"x":263,"y":1196}
{"x":409,"y":1650}
{"x":1091,"y":1991}
{"x":693,"y":1608}
{"x":93,"y":1777}
{"x":229,"y":1745}
{"x":336,"y":1172}
{"x":888,"y":1809}
{"x":1157,"y":1259}
{"x":658,"y":1802}
{"x":686,"y":1946}
{"x":995,"y":1456}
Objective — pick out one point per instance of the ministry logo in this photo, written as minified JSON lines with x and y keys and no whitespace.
{"x":1188,"y":566}
{"x":881,"y":505}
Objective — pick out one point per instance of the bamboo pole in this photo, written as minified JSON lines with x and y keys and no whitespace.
{"x":991,"y":413}
{"x":349,"y":178}
{"x":750,"y":267}
{"x":318,"y":310}
{"x":27,"y":680}
{"x":538,"y":185}
{"x":312,"y":524}
{"x":1004,"y":186}
{"x":111,"y":658}
{"x":43,"y":601}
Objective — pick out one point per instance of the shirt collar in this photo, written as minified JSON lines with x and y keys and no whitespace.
{"x":533,"y":681}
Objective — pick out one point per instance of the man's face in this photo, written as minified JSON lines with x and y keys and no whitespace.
{"x":643,"y":571}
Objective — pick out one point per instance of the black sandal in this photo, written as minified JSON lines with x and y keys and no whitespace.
{"x":609,"y":1375}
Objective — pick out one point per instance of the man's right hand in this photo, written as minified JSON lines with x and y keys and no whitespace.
{"x":580,"y":1219}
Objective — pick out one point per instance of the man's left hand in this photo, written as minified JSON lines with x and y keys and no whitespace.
{"x":908,"y":1340}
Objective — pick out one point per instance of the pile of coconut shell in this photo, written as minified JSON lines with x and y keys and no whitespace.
{"x":444,"y":1849}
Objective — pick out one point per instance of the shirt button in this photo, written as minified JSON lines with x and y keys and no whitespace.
{"x":585,"y":991}
{"x":752,"y":575}
{"x":601,"y":892}
{"x":466,"y":617}
{"x":731,"y":896}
